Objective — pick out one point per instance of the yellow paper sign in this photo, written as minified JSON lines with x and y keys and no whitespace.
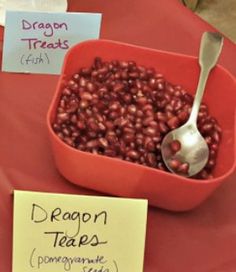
{"x":59,"y":232}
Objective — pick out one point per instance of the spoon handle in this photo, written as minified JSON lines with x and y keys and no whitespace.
{"x":210,"y":48}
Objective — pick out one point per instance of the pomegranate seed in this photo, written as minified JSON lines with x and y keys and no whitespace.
{"x":183,"y":168}
{"x":133,"y":154}
{"x":163,"y":128}
{"x":174,"y":164}
{"x":92,"y":144}
{"x":207,"y":127}
{"x":183,"y":116}
{"x":86,"y":96}
{"x":173,"y":122}
{"x":210,"y":164}
{"x":216,"y":136}
{"x":103,"y":142}
{"x":151,"y":159}
{"x":63,"y":116}
{"x":66,"y":91}
{"x":203,"y":174}
{"x":175,"y":146}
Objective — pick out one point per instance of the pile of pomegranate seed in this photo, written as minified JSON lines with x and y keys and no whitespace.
{"x":123,"y":110}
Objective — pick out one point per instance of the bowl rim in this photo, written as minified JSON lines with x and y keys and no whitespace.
{"x":103,"y":157}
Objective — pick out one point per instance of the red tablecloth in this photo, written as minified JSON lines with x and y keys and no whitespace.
{"x":203,"y":240}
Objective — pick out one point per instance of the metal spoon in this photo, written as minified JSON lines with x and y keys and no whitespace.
{"x":194,"y":150}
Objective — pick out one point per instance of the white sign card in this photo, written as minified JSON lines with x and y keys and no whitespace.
{"x":36,"y":42}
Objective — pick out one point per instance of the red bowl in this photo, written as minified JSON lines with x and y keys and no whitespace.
{"x":117,"y":177}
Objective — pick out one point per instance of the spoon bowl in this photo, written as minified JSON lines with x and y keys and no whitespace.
{"x":193,"y":152}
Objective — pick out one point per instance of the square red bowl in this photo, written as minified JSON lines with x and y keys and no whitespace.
{"x":117,"y":177}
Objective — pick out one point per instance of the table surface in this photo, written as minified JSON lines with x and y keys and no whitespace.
{"x":202,"y":240}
